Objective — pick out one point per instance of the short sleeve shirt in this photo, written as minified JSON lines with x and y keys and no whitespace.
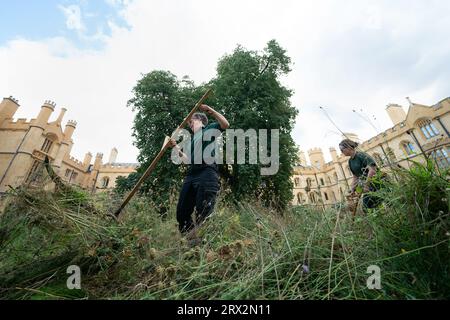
{"x":360,"y":163}
{"x":197,"y":141}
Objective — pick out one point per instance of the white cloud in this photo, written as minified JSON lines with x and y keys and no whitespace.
{"x":74,"y":20}
{"x":347,"y":55}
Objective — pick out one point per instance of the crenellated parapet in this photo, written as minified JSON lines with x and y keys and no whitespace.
{"x":121,"y":165}
{"x":72,"y":123}
{"x":14,"y":100}
{"x":73,"y":162}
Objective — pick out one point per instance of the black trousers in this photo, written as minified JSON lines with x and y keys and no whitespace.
{"x":371,"y":201}
{"x":199,"y":191}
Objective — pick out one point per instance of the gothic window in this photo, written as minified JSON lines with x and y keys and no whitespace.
{"x":47,"y":145}
{"x":312,"y":197}
{"x":105,"y":182}
{"x":299,"y":198}
{"x":428,"y":128}
{"x":408,"y":148}
{"x":441,"y":156}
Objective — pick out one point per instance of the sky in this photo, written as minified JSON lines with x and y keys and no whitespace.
{"x":87,"y":55}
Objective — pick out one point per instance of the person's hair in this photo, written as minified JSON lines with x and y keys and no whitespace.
{"x":347,"y":143}
{"x":200,"y":116}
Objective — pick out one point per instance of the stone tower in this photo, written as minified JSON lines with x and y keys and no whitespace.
{"x":316,"y":157}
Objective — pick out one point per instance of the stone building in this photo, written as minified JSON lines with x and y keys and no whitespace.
{"x":421,"y":132}
{"x":25,"y":144}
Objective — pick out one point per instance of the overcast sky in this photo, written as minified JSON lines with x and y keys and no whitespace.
{"x":86,"y":55}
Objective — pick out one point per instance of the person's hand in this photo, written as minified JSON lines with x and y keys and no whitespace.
{"x":172,"y":143}
{"x":206,"y":108}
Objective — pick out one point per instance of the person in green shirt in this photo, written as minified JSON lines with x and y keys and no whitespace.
{"x":201,"y":184}
{"x":364,"y":169}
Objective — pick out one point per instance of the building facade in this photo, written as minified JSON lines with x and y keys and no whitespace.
{"x":421,"y":132}
{"x":25,"y":144}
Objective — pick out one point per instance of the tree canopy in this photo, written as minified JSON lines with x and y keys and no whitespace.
{"x":248,"y":92}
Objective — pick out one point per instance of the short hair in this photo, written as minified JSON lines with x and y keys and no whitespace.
{"x":347,"y":143}
{"x":200,"y":116}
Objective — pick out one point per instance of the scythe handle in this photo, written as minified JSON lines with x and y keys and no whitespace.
{"x":160,"y":154}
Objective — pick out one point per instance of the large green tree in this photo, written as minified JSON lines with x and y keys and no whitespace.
{"x":248,"y":91}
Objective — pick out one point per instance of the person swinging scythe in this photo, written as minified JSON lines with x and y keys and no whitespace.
{"x":201,"y":184}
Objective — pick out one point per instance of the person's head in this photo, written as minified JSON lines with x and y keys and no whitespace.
{"x":198,"y":121}
{"x":348,"y":147}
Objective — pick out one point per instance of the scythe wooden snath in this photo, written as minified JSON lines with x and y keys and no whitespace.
{"x":159,"y":156}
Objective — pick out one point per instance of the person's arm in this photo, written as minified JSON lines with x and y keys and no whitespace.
{"x":354,"y":184}
{"x":223,"y":122}
{"x":183,"y":156}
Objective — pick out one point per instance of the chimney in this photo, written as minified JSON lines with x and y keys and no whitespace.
{"x":302,"y":158}
{"x":87,"y":159}
{"x":396,"y":113}
{"x":98,"y":161}
{"x":61,"y":115}
{"x":113,"y":155}
{"x":334,"y":155}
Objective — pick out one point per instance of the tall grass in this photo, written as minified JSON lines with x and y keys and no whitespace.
{"x":246,"y":252}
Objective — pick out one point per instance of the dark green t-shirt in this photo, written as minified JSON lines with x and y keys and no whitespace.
{"x":197,"y":140}
{"x":359,"y":164}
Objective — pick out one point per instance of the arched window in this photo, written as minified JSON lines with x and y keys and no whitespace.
{"x":428,"y":128}
{"x":74,"y":176}
{"x":300,"y":198}
{"x":441,"y":156}
{"x":312,"y":197}
{"x":297,"y":182}
{"x":322,"y":182}
{"x":105,"y":182}
{"x":336,"y":179}
{"x":408,"y":148}
{"x":48,"y":143}
{"x":326,"y":196}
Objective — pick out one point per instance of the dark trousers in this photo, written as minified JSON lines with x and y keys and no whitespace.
{"x":370,"y":201}
{"x":199,"y":191}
